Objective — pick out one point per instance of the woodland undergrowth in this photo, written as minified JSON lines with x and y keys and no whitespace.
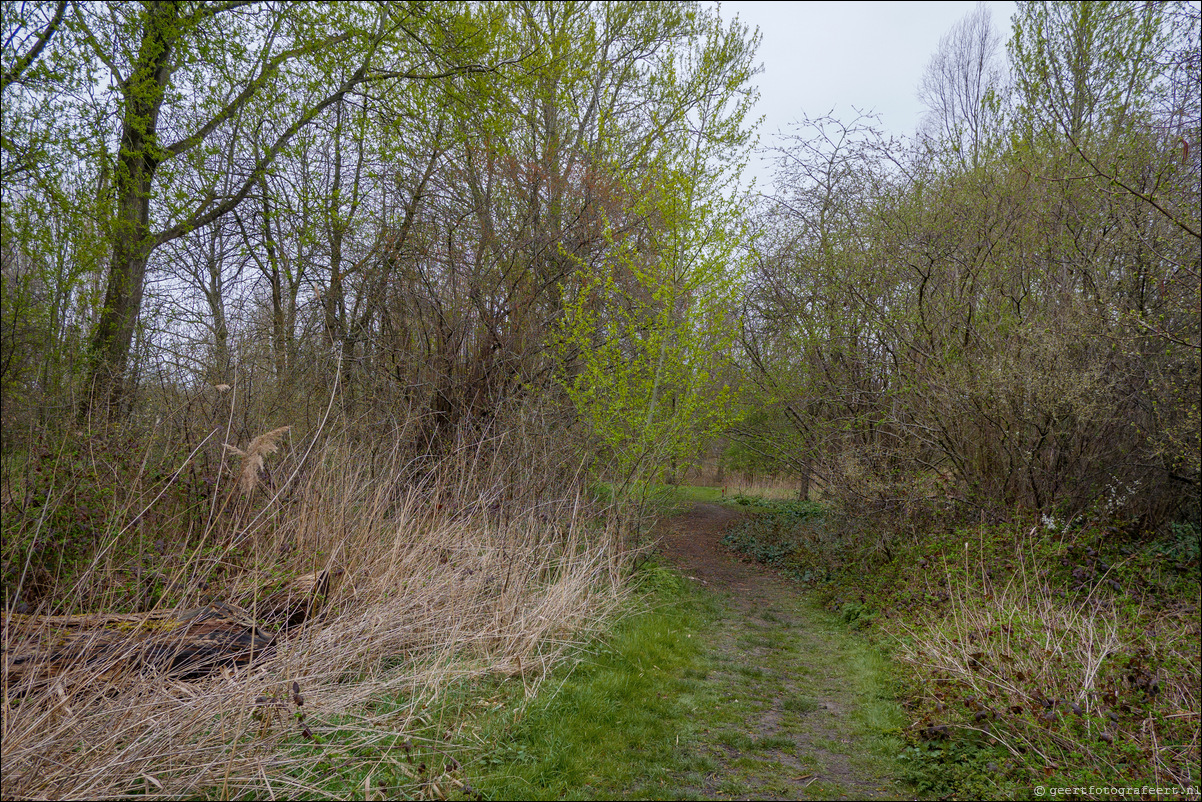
{"x":487,"y":557}
{"x":1031,"y":652}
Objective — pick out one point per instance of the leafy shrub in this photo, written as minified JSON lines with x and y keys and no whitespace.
{"x":857,"y":615}
{"x":1183,"y":544}
{"x":947,"y":766}
{"x":778,"y":533}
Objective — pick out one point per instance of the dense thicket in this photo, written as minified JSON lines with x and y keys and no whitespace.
{"x":368,"y":291}
{"x":1004,"y":314}
{"x":400,"y":198}
{"x":403,"y":230}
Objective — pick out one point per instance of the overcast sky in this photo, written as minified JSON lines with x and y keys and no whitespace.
{"x":819,"y":56}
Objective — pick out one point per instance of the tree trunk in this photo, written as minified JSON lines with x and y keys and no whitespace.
{"x":131,"y":241}
{"x":803,"y":487}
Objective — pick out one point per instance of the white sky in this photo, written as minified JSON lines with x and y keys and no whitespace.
{"x":819,"y":56}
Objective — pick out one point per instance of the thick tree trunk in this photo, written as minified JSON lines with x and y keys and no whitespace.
{"x":114,"y":333}
{"x":131,"y":240}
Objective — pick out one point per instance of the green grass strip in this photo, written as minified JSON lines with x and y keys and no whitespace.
{"x":613,"y":726}
{"x":670,"y":704}
{"x":669,"y":707}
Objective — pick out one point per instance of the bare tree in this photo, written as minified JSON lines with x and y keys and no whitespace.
{"x":961,"y":87}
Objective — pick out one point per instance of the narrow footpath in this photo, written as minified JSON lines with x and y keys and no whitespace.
{"x":797,"y":706}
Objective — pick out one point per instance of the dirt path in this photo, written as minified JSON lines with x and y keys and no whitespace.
{"x":797,"y":703}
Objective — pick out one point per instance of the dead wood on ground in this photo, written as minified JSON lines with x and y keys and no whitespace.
{"x":184,"y":643}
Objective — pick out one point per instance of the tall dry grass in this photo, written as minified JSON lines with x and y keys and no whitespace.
{"x":1061,"y":682}
{"x":767,"y":487}
{"x":487,"y":560}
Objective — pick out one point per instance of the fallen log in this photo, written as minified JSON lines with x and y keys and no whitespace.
{"x":184,"y":643}
{"x":295,"y":602}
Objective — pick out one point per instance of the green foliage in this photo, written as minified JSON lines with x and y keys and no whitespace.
{"x":353,"y":219}
{"x":104,"y":526}
{"x":971,"y":339}
{"x":896,"y":344}
{"x":763,"y":442}
{"x":644,"y":385}
{"x":64,"y":514}
{"x":646,"y":335}
{"x":1182,"y":545}
{"x":51,"y":246}
{"x":645,"y":376}
{"x":781,"y":534}
{"x":1087,"y":70}
{"x":960,"y":766}
{"x":942,"y":336}
{"x":601,"y":492}
{"x":857,"y":615}
{"x":661,"y":581}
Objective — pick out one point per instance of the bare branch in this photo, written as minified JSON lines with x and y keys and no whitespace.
{"x":198,"y":220}
{"x":29,"y":58}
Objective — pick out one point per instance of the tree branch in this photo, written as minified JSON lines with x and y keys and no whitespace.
{"x":1145,"y":198}
{"x":433,"y":76}
{"x":29,"y":58}
{"x":209,"y":11}
{"x":246,"y":94}
{"x":198,"y":220}
{"x":90,"y":38}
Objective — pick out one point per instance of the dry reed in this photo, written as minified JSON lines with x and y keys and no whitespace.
{"x":254,"y":457}
{"x":465,"y":567}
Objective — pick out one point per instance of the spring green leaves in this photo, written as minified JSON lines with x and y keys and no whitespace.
{"x":646,"y":340}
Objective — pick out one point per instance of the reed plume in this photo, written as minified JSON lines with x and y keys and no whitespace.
{"x":252,"y":458}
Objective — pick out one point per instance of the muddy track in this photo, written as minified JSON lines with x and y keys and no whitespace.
{"x":795,"y":734}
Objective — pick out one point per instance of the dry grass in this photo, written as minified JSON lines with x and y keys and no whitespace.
{"x":766,"y":487}
{"x":775,"y":489}
{"x":468,"y":566}
{"x":1064,"y":685}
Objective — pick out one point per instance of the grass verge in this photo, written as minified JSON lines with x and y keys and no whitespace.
{"x":684,"y":698}
{"x":1036,"y":655}
{"x":613,"y":724}
{"x":608,"y":722}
